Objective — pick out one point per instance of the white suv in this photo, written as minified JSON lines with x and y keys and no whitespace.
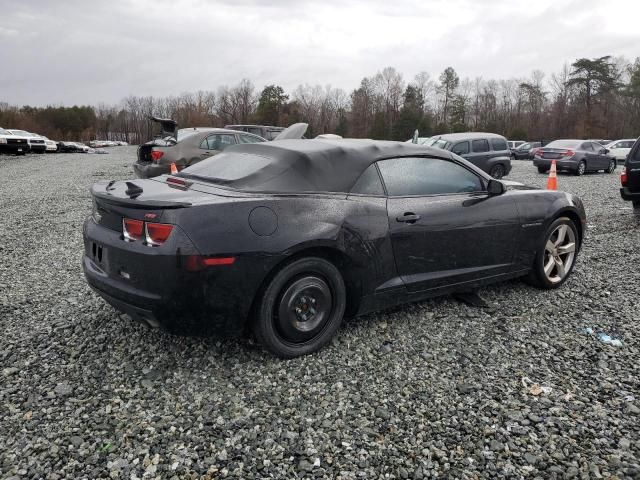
{"x":10,"y":143}
{"x":36,"y":142}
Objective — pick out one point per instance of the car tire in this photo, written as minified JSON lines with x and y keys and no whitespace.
{"x":543,"y":170}
{"x":497,"y":171}
{"x":612,"y":166}
{"x":550,"y":267}
{"x":301,"y":308}
{"x":582,"y":168}
{"x":636,"y":207}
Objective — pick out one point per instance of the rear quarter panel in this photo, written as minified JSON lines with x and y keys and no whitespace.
{"x":537,"y":210}
{"x":356,"y":227}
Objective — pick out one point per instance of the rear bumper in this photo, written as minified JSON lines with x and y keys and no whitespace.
{"x":561,"y":165}
{"x":38,"y":147}
{"x":149,"y":170}
{"x":151,"y":284}
{"x":12,"y":148}
{"x":627,"y":194}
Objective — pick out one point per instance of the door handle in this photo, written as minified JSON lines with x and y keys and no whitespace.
{"x":408,"y":217}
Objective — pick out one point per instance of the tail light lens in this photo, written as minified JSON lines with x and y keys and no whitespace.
{"x":132,"y":229}
{"x":569,"y":153}
{"x":623,"y":177}
{"x":537,"y":152}
{"x":157,"y":233}
{"x":156,"y":155}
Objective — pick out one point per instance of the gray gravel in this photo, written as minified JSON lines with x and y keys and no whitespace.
{"x":437,"y":388}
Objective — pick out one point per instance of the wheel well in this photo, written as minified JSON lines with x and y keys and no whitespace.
{"x":576,"y":221}
{"x":333,"y":255}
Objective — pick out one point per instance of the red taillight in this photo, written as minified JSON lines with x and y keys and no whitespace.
{"x":132,"y":229}
{"x":156,"y":155}
{"x":196,"y":263}
{"x":157,"y":233}
{"x":623,"y":177}
{"x":569,"y":153}
{"x":537,"y":152}
{"x":211,"y":262}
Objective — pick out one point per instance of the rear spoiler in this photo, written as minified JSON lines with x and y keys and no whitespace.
{"x":104,"y":195}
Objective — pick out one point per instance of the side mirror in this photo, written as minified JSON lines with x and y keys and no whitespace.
{"x":495,"y":187}
{"x":606,"y":150}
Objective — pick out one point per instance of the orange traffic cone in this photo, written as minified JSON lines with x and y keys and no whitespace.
{"x":174,"y":169}
{"x":552,"y":182}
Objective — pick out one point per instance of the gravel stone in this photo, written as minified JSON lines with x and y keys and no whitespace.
{"x":434,"y":389}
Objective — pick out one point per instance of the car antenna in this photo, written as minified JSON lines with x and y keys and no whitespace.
{"x":133,"y":190}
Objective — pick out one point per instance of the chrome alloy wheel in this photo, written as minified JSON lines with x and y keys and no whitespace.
{"x":559,"y":253}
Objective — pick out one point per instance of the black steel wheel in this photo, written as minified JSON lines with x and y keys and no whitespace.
{"x":582,"y":168}
{"x":301,"y":308}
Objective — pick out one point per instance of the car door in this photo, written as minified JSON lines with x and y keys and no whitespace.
{"x":602,"y":157}
{"x":444,"y":227}
{"x":590,"y":156}
{"x":480,"y":153}
{"x":461,"y":148}
{"x":213,"y":144}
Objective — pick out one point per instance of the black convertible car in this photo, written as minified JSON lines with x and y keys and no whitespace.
{"x":285,"y":238}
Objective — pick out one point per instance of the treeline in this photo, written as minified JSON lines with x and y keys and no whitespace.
{"x":591,"y":98}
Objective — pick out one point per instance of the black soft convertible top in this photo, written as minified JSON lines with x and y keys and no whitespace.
{"x":319,"y":165}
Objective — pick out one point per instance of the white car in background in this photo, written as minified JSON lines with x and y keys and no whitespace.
{"x":620,"y":148}
{"x":36,"y":142}
{"x":51,"y":145}
{"x":10,"y":143}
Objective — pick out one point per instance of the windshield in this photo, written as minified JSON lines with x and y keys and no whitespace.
{"x":21,"y":132}
{"x":4,"y":132}
{"x":564,"y":144}
{"x":440,"y":144}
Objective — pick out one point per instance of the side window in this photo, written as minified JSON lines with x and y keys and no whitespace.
{"x":597,"y":147}
{"x":255,"y":131}
{"x":480,"y":145}
{"x":250,"y":139}
{"x":498,"y":145}
{"x":272,"y":134}
{"x":461,"y":148}
{"x":369,"y":183}
{"x":220,"y":142}
{"x":427,"y":176}
{"x":587,"y":147}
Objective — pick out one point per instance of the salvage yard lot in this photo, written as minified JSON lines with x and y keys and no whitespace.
{"x":434,"y":388}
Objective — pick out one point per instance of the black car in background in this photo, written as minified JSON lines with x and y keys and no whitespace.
{"x":630,"y":177}
{"x":285,"y":238}
{"x":267,"y":132}
{"x":576,"y":156}
{"x":525,"y":150}
{"x":487,"y":151}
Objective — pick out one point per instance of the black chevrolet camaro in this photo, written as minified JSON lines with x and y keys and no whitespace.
{"x":286,"y":238}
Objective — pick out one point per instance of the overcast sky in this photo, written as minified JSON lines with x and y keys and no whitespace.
{"x":87,"y":52}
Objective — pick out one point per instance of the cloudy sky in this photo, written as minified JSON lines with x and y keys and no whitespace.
{"x":89,"y":51}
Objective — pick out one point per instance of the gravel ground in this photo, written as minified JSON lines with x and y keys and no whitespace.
{"x":436,"y":388}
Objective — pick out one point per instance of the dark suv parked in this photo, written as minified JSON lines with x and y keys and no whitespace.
{"x":487,"y":151}
{"x":265,"y":131}
{"x":630,"y":177}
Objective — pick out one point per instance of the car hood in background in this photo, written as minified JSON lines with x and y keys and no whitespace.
{"x":293,"y":132}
